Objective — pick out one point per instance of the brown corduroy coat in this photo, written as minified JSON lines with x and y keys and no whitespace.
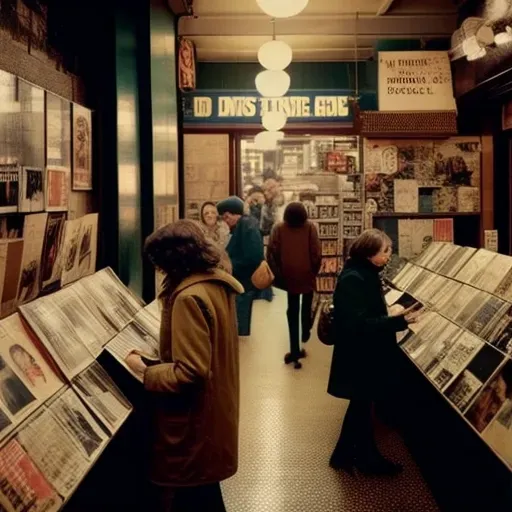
{"x":195,"y":390}
{"x":294,"y":255}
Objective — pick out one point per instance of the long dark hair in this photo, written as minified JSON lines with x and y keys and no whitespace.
{"x":295,"y":215}
{"x":180,"y":250}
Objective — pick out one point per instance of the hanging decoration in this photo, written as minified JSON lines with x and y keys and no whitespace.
{"x":282,"y":8}
{"x":275,"y":55}
{"x":273,"y":121}
{"x":187,"y":65}
{"x":272,"y":84}
{"x":268,"y":140}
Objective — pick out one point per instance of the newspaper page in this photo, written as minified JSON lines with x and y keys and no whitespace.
{"x":428,"y":253}
{"x":155,"y":309}
{"x":148,"y":322}
{"x":58,"y":334}
{"x":466,"y":255}
{"x":82,"y":428}
{"x":133,"y":338}
{"x":494,"y":273}
{"x":475,"y":266}
{"x":101,"y":394}
{"x":118,"y":302}
{"x":53,"y":451}
{"x":463,"y":389}
{"x":458,"y":302}
{"x":33,"y":235}
{"x":23,"y":487}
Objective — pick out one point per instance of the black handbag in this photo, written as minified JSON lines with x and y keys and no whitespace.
{"x":325,"y":325}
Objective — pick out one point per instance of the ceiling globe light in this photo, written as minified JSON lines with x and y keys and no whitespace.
{"x":275,"y":55}
{"x":267,"y":141}
{"x":273,"y":121}
{"x":272,"y":84}
{"x":282,"y":8}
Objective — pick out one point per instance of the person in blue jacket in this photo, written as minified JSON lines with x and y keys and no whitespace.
{"x":245,"y":249}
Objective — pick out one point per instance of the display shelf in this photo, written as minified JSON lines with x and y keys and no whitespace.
{"x":463,"y":342}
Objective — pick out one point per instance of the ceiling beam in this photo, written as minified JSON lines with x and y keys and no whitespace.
{"x":384,"y":7}
{"x":256,"y":25}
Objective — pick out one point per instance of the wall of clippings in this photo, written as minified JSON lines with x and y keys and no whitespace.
{"x":436,"y":180}
{"x":45,"y":166}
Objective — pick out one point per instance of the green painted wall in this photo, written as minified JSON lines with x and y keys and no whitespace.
{"x":304,"y":75}
{"x":128,"y":150}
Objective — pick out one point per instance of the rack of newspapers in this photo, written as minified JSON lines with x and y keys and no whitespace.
{"x":58,"y":407}
{"x":463,"y":340}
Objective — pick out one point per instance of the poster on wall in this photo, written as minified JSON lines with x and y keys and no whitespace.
{"x":414,"y":81}
{"x":57,"y":189}
{"x":58,"y":131}
{"x":82,"y":148}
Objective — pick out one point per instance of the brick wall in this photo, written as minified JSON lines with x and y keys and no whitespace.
{"x":37,"y":68}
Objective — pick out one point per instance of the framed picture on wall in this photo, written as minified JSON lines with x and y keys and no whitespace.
{"x":57,"y":189}
{"x":81,"y":148}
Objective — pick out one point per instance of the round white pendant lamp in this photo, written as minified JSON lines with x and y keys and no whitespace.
{"x":272,"y":84}
{"x":267,"y":141}
{"x":273,"y":121}
{"x":275,"y":55}
{"x":282,"y":8}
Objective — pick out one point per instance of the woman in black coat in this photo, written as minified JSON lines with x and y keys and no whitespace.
{"x":364,"y":351}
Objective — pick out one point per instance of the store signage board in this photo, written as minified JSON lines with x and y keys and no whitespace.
{"x":247,"y":107}
{"x":415,"y":81}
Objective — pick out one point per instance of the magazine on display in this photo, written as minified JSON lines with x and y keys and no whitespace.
{"x":77,"y":421}
{"x":133,"y":338}
{"x":117,"y":302}
{"x":53,"y":451}
{"x":23,"y":486}
{"x":58,"y":334}
{"x":101,"y":394}
{"x":475,"y":266}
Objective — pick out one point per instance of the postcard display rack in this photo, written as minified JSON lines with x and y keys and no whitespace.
{"x":463,"y":341}
{"x":59,"y":408}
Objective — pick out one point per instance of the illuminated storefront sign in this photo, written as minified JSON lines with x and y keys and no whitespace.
{"x":248,"y":107}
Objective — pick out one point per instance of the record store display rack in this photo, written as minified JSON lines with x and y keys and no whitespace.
{"x":59,"y":408}
{"x":463,"y":341}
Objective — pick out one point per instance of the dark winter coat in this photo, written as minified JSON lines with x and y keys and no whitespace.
{"x":294,"y":255}
{"x":245,"y":249}
{"x":365,"y":349}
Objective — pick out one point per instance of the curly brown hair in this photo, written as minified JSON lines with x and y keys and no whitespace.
{"x":180,"y":250}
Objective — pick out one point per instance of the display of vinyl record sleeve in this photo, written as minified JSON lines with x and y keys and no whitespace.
{"x":463,"y":342}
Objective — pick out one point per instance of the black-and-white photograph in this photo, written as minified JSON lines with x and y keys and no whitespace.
{"x":32,"y":190}
{"x":99,"y":391}
{"x":9,"y":188}
{"x":77,"y":421}
{"x":13,"y":393}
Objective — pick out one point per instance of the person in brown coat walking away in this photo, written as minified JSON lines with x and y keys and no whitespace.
{"x":194,"y":388}
{"x":294,"y":255}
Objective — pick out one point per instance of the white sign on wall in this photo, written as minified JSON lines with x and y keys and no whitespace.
{"x":410,"y":81}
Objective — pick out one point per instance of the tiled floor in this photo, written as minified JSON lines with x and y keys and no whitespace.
{"x":289,"y":426}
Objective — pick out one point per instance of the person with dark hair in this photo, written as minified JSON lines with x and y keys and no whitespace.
{"x":195,"y":387}
{"x":364,"y":352}
{"x":245,"y":249}
{"x":294,"y":255}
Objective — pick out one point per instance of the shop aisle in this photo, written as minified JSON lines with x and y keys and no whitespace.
{"x":288,"y":428}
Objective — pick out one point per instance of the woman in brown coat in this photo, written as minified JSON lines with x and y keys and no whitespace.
{"x":294,"y":255}
{"x":195,"y":386}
